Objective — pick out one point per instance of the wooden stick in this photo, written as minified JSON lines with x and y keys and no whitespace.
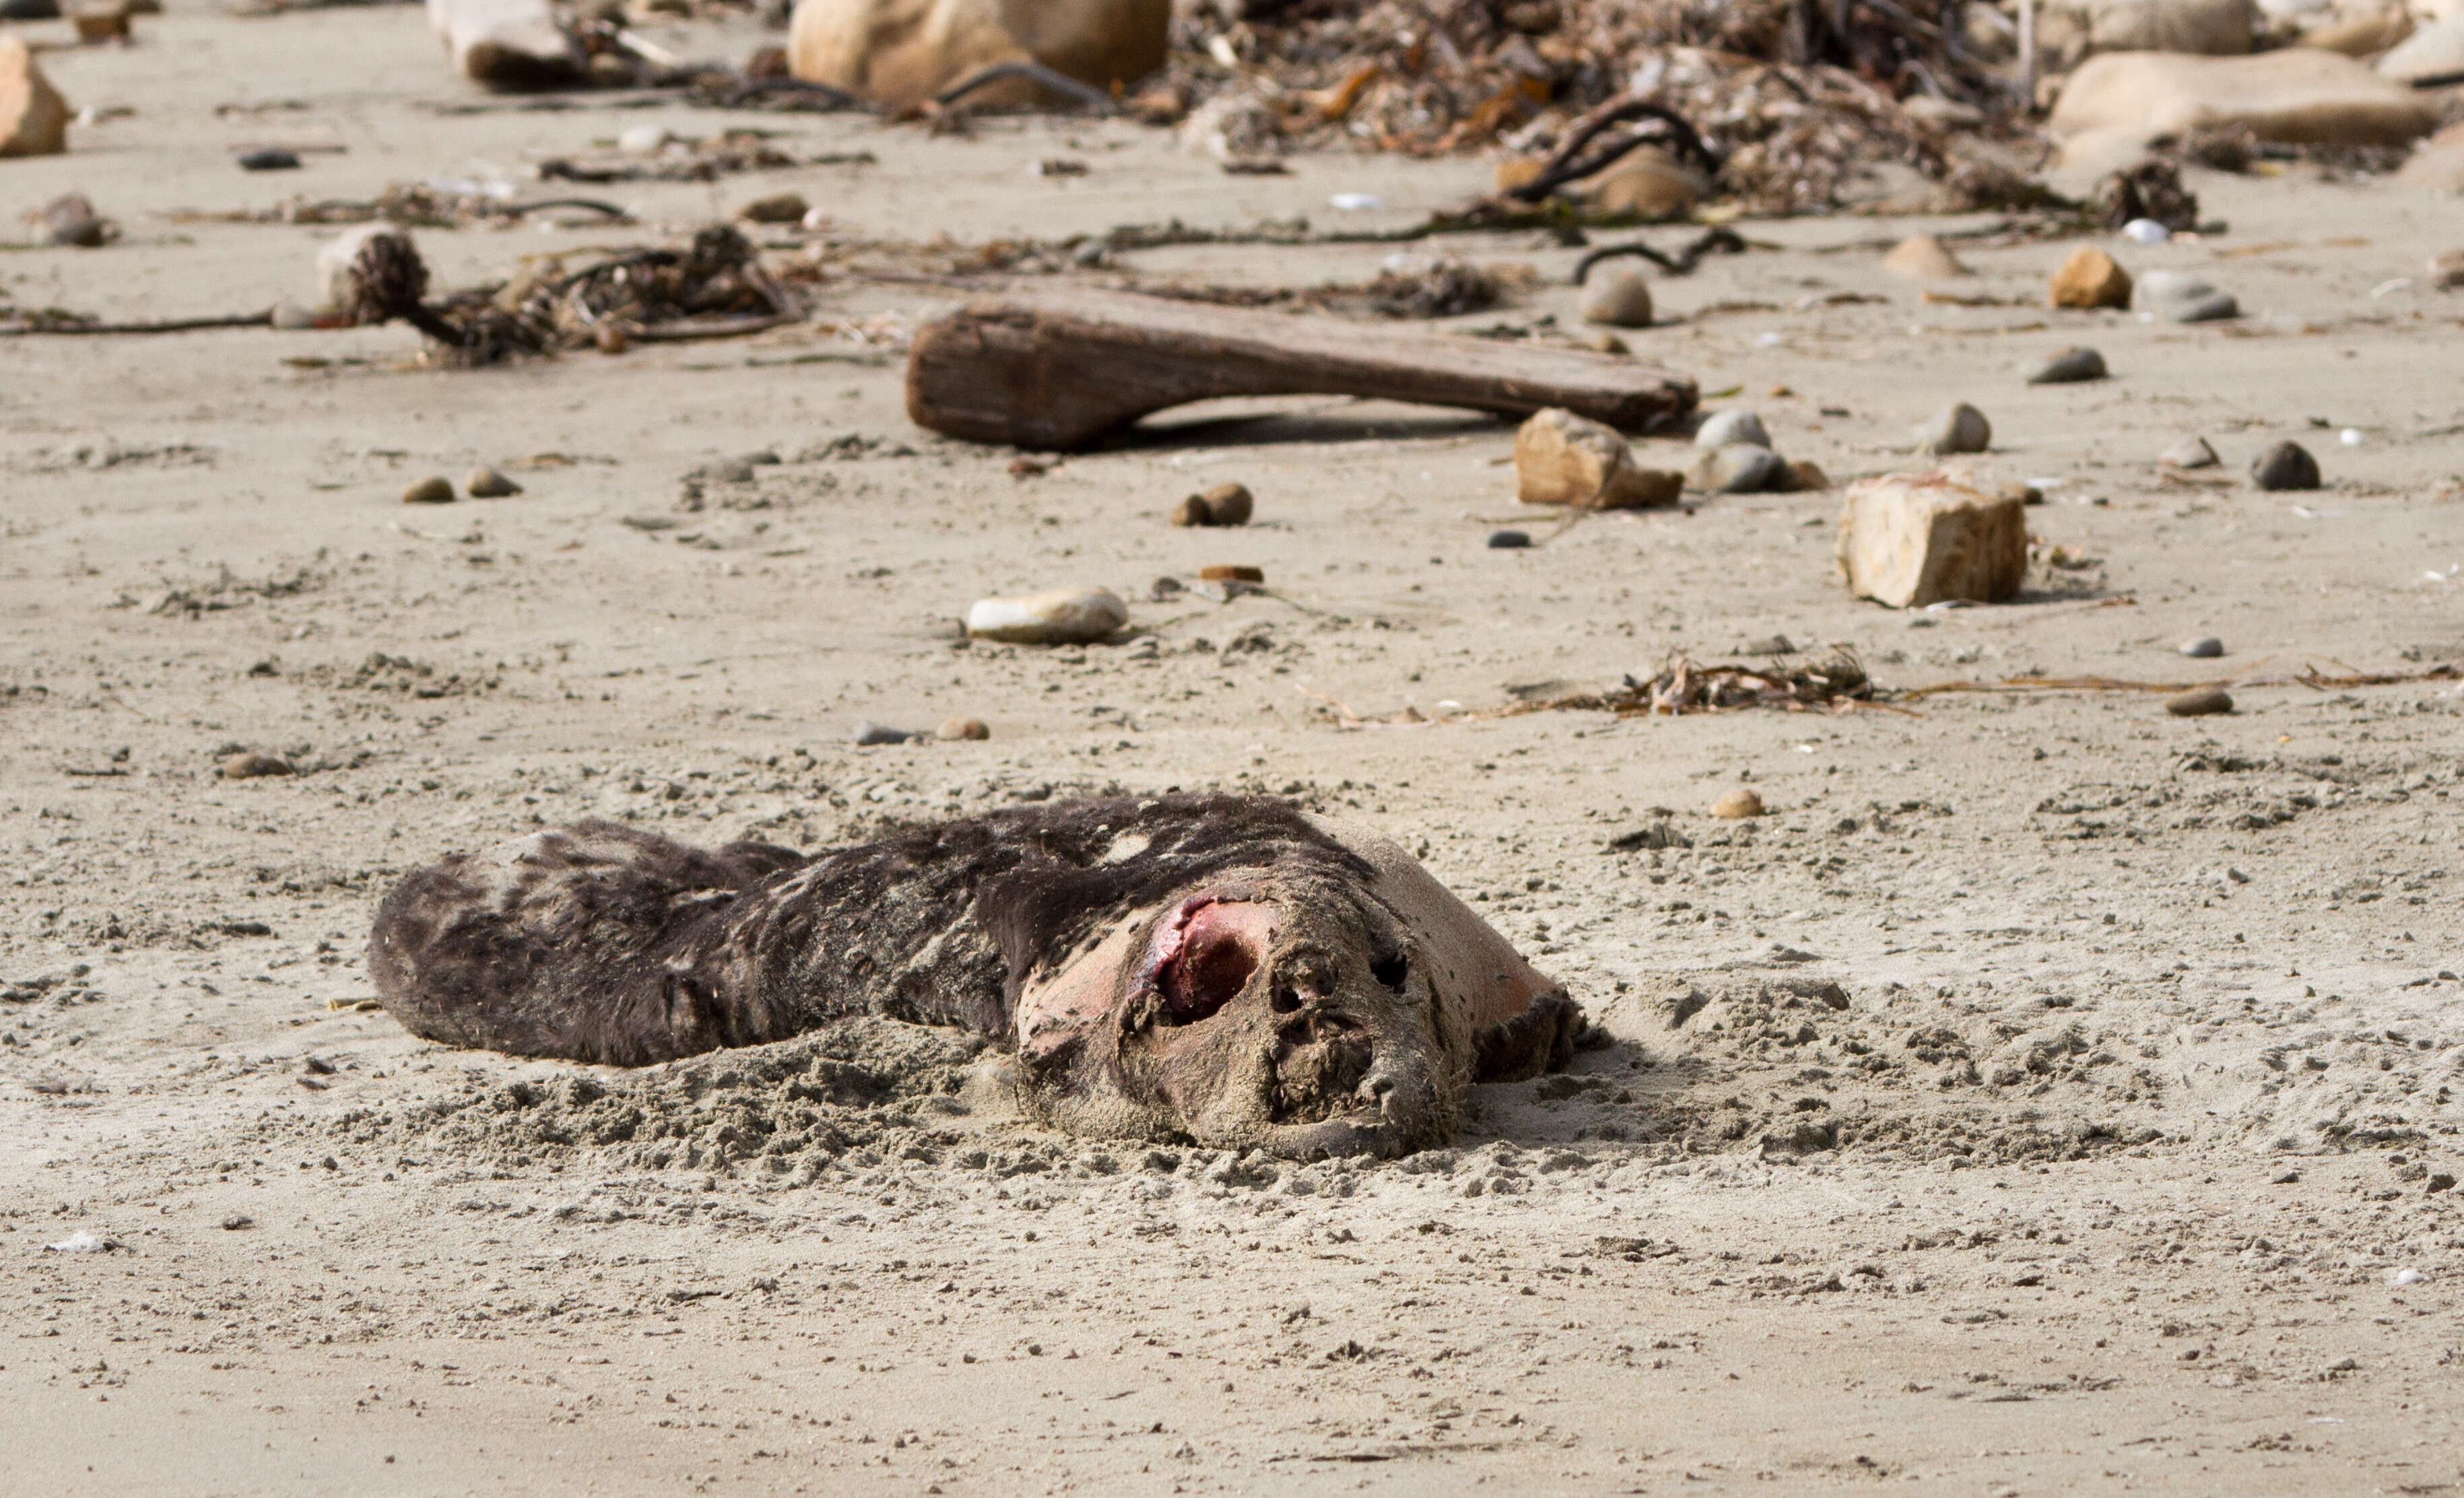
{"x":1058,"y":372}
{"x":247,"y":319}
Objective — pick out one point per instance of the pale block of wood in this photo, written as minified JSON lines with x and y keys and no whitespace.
{"x":1909,"y":539}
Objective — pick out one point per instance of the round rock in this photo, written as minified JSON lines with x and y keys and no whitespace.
{"x":1508,"y":541}
{"x":2179,"y":297}
{"x":1738,"y":804}
{"x":1955,"y":428}
{"x":2206,"y":648}
{"x":1723,"y":428}
{"x":1064,"y":616}
{"x":1617,"y":298}
{"x":954,"y":730}
{"x":433,"y":490}
{"x":2070,"y":366}
{"x":1739,"y":467}
{"x":2199,"y":702}
{"x":1230,"y":504}
{"x":2287,"y":465}
{"x":486,"y":483}
{"x":253,"y":765}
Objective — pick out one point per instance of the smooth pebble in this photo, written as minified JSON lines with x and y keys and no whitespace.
{"x":1508,"y":541}
{"x":1956,"y":428}
{"x":2070,"y":366}
{"x":1723,"y":428}
{"x":486,"y":483}
{"x":1617,"y":298}
{"x":956,"y":729}
{"x":2287,"y":465}
{"x":1738,"y":804}
{"x":435,"y":490}
{"x":2206,"y":648}
{"x":2199,"y":702}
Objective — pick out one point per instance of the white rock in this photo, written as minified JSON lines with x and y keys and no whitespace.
{"x":643,"y":139}
{"x":1909,"y":540}
{"x":1616,"y":296}
{"x":2180,"y":296}
{"x":2145,"y":231}
{"x":1720,"y":429}
{"x":1738,"y":468}
{"x":1064,"y":616}
{"x":1960,"y":427}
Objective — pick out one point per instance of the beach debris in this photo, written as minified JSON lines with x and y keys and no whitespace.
{"x":1062,"y":616}
{"x":70,"y":220}
{"x":1057,"y":371}
{"x":268,"y":158}
{"x":870,"y":735}
{"x":2068,"y":366}
{"x":1509,"y":540}
{"x":252,"y":764}
{"x":82,"y":1241}
{"x":1562,"y":458}
{"x":1233,"y":572}
{"x":957,"y":730}
{"x":435,"y":490}
{"x":1684,"y":685}
{"x":2145,"y":202}
{"x":904,"y":54}
{"x":2199,"y":702}
{"x":1618,"y":298}
{"x":1736,"y":468}
{"x":2431,"y":52}
{"x":33,"y":117}
{"x":2287,"y":465}
{"x":2181,"y":297}
{"x":1922,"y":257}
{"x":2189,"y":452}
{"x":1225,"y":504}
{"x":2090,"y":278}
{"x":507,"y":46}
{"x":1738,"y":805}
{"x":657,"y":154}
{"x":1908,"y":541}
{"x":1957,"y":427}
{"x":1734,"y":425}
{"x":486,"y":483}
{"x":2295,"y":96}
{"x":2206,"y":648}
{"x":2068,"y":32}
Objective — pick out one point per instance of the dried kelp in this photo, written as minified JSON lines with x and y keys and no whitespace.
{"x":1684,"y":685}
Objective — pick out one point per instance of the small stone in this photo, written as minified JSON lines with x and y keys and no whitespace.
{"x":271,"y":158}
{"x":2200,"y":702}
{"x":1562,"y":458}
{"x":1230,"y":504}
{"x":1801,"y":478}
{"x":2145,"y":231}
{"x":1922,"y":257}
{"x":611,"y":338}
{"x":1192,"y":510}
{"x":486,"y":483}
{"x":429,"y":491}
{"x":2090,"y":278}
{"x":2070,"y":366}
{"x":1738,"y":804}
{"x":253,"y":765}
{"x":1723,"y":428}
{"x":33,"y":117}
{"x":1254,"y":576}
{"x":1508,"y":541}
{"x":97,"y":24}
{"x":1063,"y":616}
{"x":2189,"y":452}
{"x":779,"y":207}
{"x":1955,"y":428}
{"x":870,"y":735}
{"x":2447,"y":271}
{"x":643,"y":139}
{"x":70,"y":220}
{"x":2206,"y":648}
{"x":1739,"y":467}
{"x":2287,"y":465}
{"x":1912,"y":539}
{"x":1618,"y":298}
{"x":1608,"y":344}
{"x":2179,"y":297}
{"x":956,"y":729}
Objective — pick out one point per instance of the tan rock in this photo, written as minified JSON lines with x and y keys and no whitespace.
{"x":508,"y":46}
{"x":2437,"y":164}
{"x":2069,"y":31}
{"x":2297,"y":95}
{"x":1738,"y":804}
{"x":958,"y":730}
{"x":2365,"y":35}
{"x":1232,"y":572}
{"x":2090,"y":278}
{"x":1645,"y":181}
{"x":1064,"y":616}
{"x":901,"y":52}
{"x":2432,"y":52}
{"x":1922,"y":257}
{"x":1911,"y":540}
{"x":253,"y":765}
{"x":1562,"y":458}
{"x":779,"y":208}
{"x":486,"y":483}
{"x":1801,"y":478}
{"x":33,"y":117}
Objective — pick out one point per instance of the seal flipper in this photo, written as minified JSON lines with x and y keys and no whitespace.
{"x":596,"y":943}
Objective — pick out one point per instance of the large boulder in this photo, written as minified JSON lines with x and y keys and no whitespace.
{"x":33,"y":117}
{"x":2071,"y":30}
{"x":901,"y":52}
{"x":511,"y":46}
{"x":2300,"y":95}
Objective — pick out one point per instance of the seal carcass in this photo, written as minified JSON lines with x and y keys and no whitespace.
{"x":1227,"y":970}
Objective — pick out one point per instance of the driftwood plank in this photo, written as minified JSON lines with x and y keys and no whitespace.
{"x":1059,"y":371}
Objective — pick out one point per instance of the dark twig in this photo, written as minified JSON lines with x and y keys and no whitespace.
{"x":1567,"y":163}
{"x":1026,"y":68}
{"x":1717,"y":240}
{"x":247,"y":319}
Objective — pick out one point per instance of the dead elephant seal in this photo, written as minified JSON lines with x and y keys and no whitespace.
{"x":1222,"y":969}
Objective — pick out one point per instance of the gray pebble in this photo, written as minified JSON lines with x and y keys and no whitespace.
{"x":1739,"y":467}
{"x":1508,"y":541}
{"x":486,"y":483}
{"x":429,"y":491}
{"x":1618,"y":298}
{"x":1955,"y":428}
{"x":2206,"y":648}
{"x":2179,"y":297}
{"x":2287,"y":465}
{"x":2070,"y":366}
{"x":1720,"y":429}
{"x":2200,"y":702}
{"x":273,"y":158}
{"x":868,"y":734}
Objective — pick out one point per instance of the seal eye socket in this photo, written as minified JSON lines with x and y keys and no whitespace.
{"x":1220,"y":947}
{"x":1390,"y":971}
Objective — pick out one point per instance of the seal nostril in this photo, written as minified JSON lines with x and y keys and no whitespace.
{"x":1285,"y":1001}
{"x":1390,"y":971}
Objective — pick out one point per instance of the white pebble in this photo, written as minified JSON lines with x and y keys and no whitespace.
{"x":1355,"y":202}
{"x":2145,"y":231}
{"x":1064,"y":616}
{"x":2351,"y":438}
{"x":2403,"y":1277}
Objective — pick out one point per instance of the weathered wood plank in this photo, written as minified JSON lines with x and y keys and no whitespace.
{"x":1058,"y":372}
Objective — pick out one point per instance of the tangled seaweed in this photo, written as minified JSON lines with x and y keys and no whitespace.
{"x":1685,"y":685}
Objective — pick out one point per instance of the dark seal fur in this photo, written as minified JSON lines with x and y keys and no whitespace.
{"x":1222,"y":969}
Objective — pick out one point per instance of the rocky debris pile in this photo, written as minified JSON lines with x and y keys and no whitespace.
{"x":1795,"y":103}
